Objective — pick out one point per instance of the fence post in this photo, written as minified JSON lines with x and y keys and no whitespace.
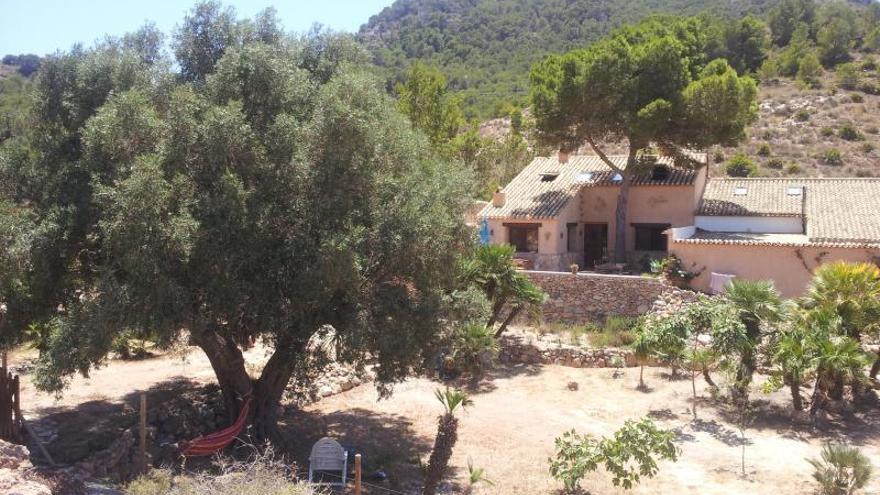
{"x":142,"y":447}
{"x":357,"y":474}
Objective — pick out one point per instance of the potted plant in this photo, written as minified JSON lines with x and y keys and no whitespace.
{"x":575,"y":268}
{"x":672,"y":271}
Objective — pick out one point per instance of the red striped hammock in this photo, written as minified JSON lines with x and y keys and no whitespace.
{"x":215,"y":442}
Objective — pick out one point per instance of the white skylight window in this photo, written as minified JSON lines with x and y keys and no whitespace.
{"x":795,"y":191}
{"x":584,"y":176}
{"x":740,"y":191}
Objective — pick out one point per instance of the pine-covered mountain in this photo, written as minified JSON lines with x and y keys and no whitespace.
{"x":486,"y":47}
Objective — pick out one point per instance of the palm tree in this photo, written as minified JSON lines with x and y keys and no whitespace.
{"x":841,"y":471}
{"x":839,"y":360}
{"x":491,"y":268}
{"x":758,"y":304}
{"x":852,"y":290}
{"x":796,"y":347}
{"x":447,"y":435}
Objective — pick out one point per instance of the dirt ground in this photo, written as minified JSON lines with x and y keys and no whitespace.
{"x":511,"y":426}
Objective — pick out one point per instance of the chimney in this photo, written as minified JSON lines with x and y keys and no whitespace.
{"x":499,"y":198}
{"x":562,"y":156}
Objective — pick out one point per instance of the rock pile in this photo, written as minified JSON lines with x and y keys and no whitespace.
{"x":673,"y":300}
{"x":17,"y":473}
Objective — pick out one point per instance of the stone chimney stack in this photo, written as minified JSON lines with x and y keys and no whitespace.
{"x":562,"y":156}
{"x":499,"y":198}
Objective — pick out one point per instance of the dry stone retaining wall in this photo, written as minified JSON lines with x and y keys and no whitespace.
{"x":589,"y":297}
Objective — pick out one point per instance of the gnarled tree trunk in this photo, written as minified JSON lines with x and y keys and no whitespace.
{"x":620,"y":215}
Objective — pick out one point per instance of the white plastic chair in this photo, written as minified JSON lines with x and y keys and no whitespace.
{"x":327,"y":455}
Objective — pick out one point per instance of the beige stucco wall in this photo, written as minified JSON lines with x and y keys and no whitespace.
{"x":790,"y":268}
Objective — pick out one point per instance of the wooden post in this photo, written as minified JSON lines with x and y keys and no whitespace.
{"x":142,"y":446}
{"x":357,"y":474}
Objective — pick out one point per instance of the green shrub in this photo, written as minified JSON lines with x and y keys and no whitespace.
{"x":793,"y":168}
{"x":473,"y":349}
{"x":775,"y":163}
{"x":857,"y":98}
{"x":869,"y":87}
{"x":869,"y":64}
{"x":764,"y":149}
{"x":850,"y":133}
{"x":718,"y":156}
{"x":826,"y":132}
{"x":832,"y":157}
{"x":867,"y":147}
{"x":740,"y":165}
{"x":631,"y":454}
{"x":842,"y":470}
{"x":809,"y":71}
{"x":802,"y":115}
{"x":848,"y":76}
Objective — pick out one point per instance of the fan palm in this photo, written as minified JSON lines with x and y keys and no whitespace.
{"x":841,"y":470}
{"x":853,"y":291}
{"x":797,"y":345}
{"x":447,"y":435}
{"x":839,"y":360}
{"x":758,"y":304}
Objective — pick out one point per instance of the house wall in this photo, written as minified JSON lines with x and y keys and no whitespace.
{"x":790,"y":268}
{"x":762,"y":225}
{"x":552,"y":245}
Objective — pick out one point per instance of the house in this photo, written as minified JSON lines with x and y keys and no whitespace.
{"x":561,"y":210}
{"x":779,"y":229}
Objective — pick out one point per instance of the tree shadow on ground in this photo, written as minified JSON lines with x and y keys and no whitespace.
{"x":485,"y":383}
{"x":387,"y":443}
{"x":72,"y":434}
{"x":719,"y":432}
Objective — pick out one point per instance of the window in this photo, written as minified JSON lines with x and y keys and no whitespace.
{"x":572,"y":229}
{"x":740,"y":191}
{"x":524,"y":238}
{"x":650,"y":237}
{"x":795,"y":191}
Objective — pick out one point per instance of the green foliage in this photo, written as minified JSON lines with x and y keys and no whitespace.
{"x":848,"y":76}
{"x":26,"y":63}
{"x":485,"y":48}
{"x":631,"y":454}
{"x":842,"y":470}
{"x":491,"y":269}
{"x":477,"y":475}
{"x":832,"y":156}
{"x":802,"y":115}
{"x":423,"y":98}
{"x":764,"y":149}
{"x":775,"y":163}
{"x":851,"y":291}
{"x":13,"y":105}
{"x":788,"y":16}
{"x":809,"y":71}
{"x":850,"y":133}
{"x":473,"y":348}
{"x":618,"y":331}
{"x":740,"y":165}
{"x":826,"y":132}
{"x":793,"y":168}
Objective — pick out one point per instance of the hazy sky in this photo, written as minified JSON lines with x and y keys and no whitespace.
{"x":43,"y":26}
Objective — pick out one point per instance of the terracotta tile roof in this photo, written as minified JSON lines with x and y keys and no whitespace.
{"x":529,"y":196}
{"x":838,"y":212}
{"x":751,"y":197}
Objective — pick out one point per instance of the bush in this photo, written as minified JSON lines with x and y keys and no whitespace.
{"x":867,"y":147}
{"x":809,"y":71}
{"x":618,"y":331}
{"x":832,"y":157}
{"x":869,"y":87}
{"x":842,"y":470}
{"x":857,"y":98}
{"x":775,"y":163}
{"x":473,"y":349}
{"x":848,"y":76}
{"x":740,"y":166}
{"x":631,"y":454}
{"x":802,"y":115}
{"x":850,"y":133}
{"x":793,"y":168}
{"x":826,"y":132}
{"x":764,"y":149}
{"x":869,"y":64}
{"x":718,"y":156}
{"x":262,"y":475}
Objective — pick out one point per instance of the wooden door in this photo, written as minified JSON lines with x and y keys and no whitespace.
{"x":595,"y":244}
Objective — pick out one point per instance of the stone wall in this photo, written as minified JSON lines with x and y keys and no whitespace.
{"x":586,"y":297}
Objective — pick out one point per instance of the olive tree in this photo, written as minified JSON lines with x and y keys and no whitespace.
{"x":282,"y":199}
{"x":648,"y":85}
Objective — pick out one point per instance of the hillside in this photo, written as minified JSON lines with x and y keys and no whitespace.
{"x":486,"y":47}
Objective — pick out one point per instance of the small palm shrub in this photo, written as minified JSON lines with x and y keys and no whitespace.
{"x":832,"y":157}
{"x":473,"y":348}
{"x":841,"y":470}
{"x":740,"y":165}
{"x":447,"y":436}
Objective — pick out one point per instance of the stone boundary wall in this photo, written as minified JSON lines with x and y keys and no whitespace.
{"x":590,"y":297}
